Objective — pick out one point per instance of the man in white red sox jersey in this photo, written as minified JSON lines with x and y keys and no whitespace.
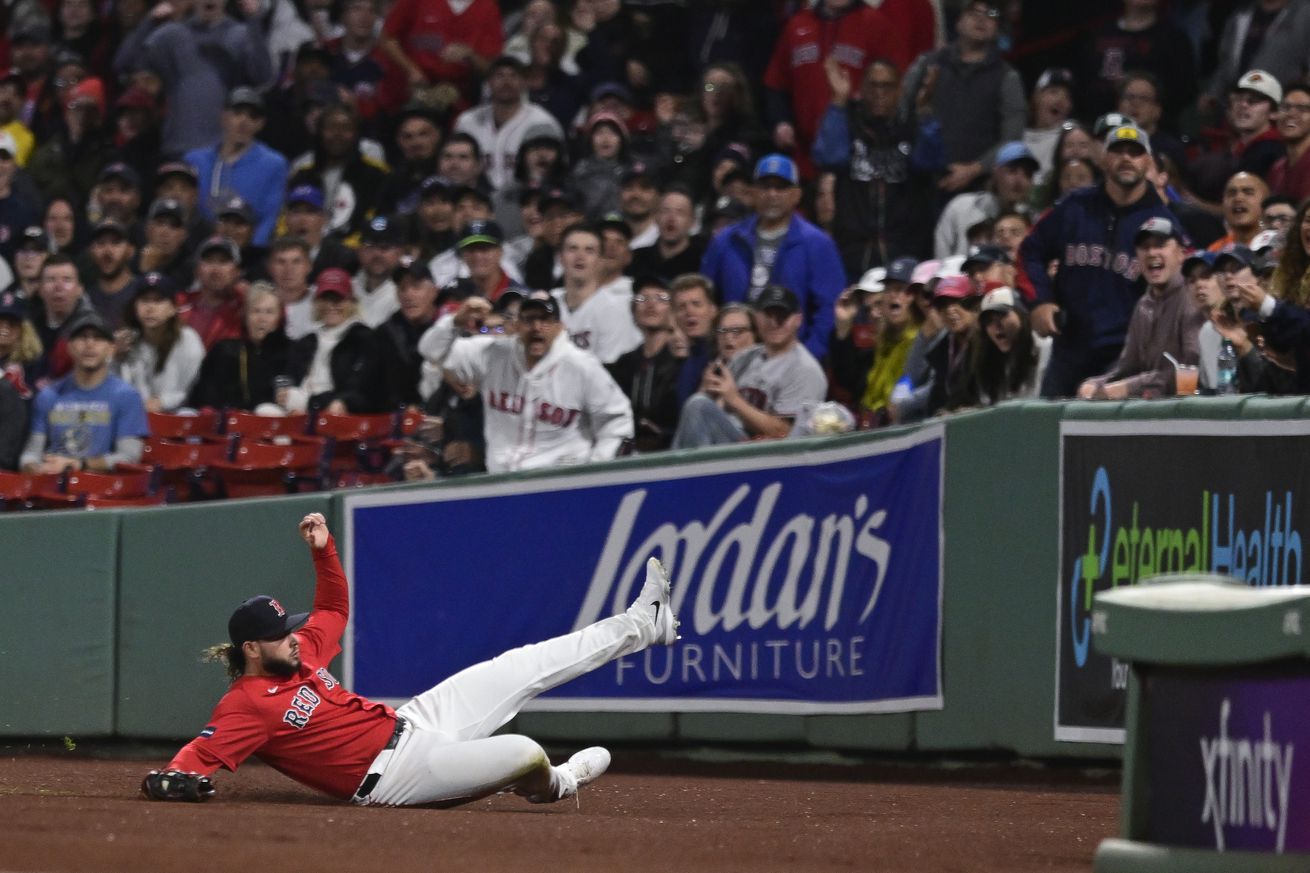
{"x":547,"y":402}
{"x":286,"y":708}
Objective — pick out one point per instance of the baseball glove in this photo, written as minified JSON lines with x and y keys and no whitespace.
{"x":176,"y":785}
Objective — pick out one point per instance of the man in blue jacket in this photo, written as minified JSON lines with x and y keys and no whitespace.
{"x":775,"y":246}
{"x":1089,"y":234}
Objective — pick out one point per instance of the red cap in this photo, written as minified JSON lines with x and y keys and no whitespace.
{"x":334,"y":280}
{"x":957,"y":287}
{"x":88,"y":90}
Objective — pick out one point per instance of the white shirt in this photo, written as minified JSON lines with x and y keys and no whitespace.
{"x":603,"y":324}
{"x":647,"y":237}
{"x":378,"y":305}
{"x":565,"y":410}
{"x":300,"y":317}
{"x":961,"y":213}
{"x":500,"y":145}
{"x":173,"y":382}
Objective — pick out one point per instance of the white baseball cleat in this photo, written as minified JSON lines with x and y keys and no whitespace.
{"x":653,"y":605}
{"x":585,"y":766}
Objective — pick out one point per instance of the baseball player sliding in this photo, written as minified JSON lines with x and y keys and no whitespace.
{"x":284,"y":706}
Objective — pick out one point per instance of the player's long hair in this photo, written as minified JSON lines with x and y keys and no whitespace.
{"x":232,"y":658}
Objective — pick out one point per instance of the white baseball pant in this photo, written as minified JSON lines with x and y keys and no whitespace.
{"x":447,"y":754}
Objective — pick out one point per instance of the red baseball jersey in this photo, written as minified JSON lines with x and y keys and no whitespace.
{"x":307,"y":726}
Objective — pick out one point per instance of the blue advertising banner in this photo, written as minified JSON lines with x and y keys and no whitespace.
{"x":805,"y":582}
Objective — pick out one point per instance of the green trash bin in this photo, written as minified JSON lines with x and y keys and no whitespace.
{"x":1216,"y":773}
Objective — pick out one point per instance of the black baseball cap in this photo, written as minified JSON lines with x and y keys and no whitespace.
{"x":509,"y":62}
{"x":220,"y":244}
{"x":777,"y":297}
{"x":236,"y":207}
{"x":639,"y":171}
{"x":381,"y":231}
{"x":178,"y":168}
{"x":245,"y":96}
{"x":411,"y":268}
{"x":167,"y":209}
{"x":90,"y":321}
{"x":264,"y":619}
{"x":110,"y":225}
{"x":436,"y":186}
{"x":481,"y":232}
{"x":120,"y":171}
{"x":543,"y":300}
{"x":985,"y":256}
{"x":154,"y":283}
{"x":557,"y":197}
{"x":33,"y":238}
{"x":650,"y":280}
{"x":614,"y":221}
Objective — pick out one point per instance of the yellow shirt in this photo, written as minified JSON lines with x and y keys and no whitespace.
{"x":22,"y":138}
{"x":888,"y":365}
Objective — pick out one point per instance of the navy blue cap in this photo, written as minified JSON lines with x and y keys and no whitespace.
{"x":778,"y":297}
{"x":411,"y":268}
{"x":121,"y":171}
{"x":985,"y":255}
{"x":1195,"y":258}
{"x":435,"y":186}
{"x":12,"y":306}
{"x":901,"y":270}
{"x":262,"y":618}
{"x":1239,"y":253}
{"x":481,"y":231}
{"x":236,"y":206}
{"x":154,"y":283}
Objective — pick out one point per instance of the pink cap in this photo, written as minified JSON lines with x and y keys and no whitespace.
{"x":925,"y":273}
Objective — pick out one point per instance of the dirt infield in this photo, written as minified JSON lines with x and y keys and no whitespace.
{"x":73,"y":813}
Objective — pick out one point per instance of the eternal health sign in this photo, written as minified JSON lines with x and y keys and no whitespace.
{"x":806,"y":582}
{"x":1139,"y":498}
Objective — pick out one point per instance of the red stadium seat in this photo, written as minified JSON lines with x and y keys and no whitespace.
{"x":120,"y":483}
{"x":356,"y":428}
{"x":183,"y":464}
{"x":263,"y":427}
{"x":17,"y":489}
{"x":259,"y":468}
{"x":163,"y":424}
{"x":95,"y":501}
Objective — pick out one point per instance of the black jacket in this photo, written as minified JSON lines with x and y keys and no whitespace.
{"x":652,"y":386}
{"x":238,"y":374}
{"x":356,"y":375}
{"x":399,"y":361}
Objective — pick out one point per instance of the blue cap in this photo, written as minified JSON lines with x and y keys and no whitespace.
{"x":1207,"y":258}
{"x":902,"y":270}
{"x":1016,"y":152}
{"x":777,"y":166}
{"x":306,"y":194}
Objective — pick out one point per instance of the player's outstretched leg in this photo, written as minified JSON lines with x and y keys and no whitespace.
{"x":479,"y":699}
{"x":427,"y":770}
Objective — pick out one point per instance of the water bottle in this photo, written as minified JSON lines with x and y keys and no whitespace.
{"x":1227,"y":380}
{"x":903,"y":389}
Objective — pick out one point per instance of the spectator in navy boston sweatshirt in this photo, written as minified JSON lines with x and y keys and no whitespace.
{"x":198,"y":60}
{"x":775,"y":246}
{"x":1088,"y":303}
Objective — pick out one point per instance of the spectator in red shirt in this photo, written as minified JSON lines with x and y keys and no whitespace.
{"x":213,"y":307}
{"x":1290,"y":174}
{"x":799,"y":93}
{"x":443,"y":41}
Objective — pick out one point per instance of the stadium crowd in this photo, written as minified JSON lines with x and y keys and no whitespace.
{"x":568,"y":229}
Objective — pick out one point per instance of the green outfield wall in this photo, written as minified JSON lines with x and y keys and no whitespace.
{"x":105,"y":613}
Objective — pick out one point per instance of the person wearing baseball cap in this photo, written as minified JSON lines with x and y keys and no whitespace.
{"x":1090,"y":235}
{"x":1008,"y":190}
{"x":308,"y":216}
{"x":396,"y":340}
{"x":1010,"y":358}
{"x":576,"y":413}
{"x":871,"y":376}
{"x":212,"y":306}
{"x":240,"y":164}
{"x":777,"y":246}
{"x":481,"y":249}
{"x":988,"y":263}
{"x":163,"y":356}
{"x":380,"y":251}
{"x":112,"y":253}
{"x":1254,"y":143}
{"x":956,"y":301}
{"x":1165,"y":325}
{"x":117,"y":193}
{"x":335,"y":367}
{"x":779,"y":374}
{"x":89,"y":419}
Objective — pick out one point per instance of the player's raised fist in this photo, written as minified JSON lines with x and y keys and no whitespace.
{"x":314,"y":529}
